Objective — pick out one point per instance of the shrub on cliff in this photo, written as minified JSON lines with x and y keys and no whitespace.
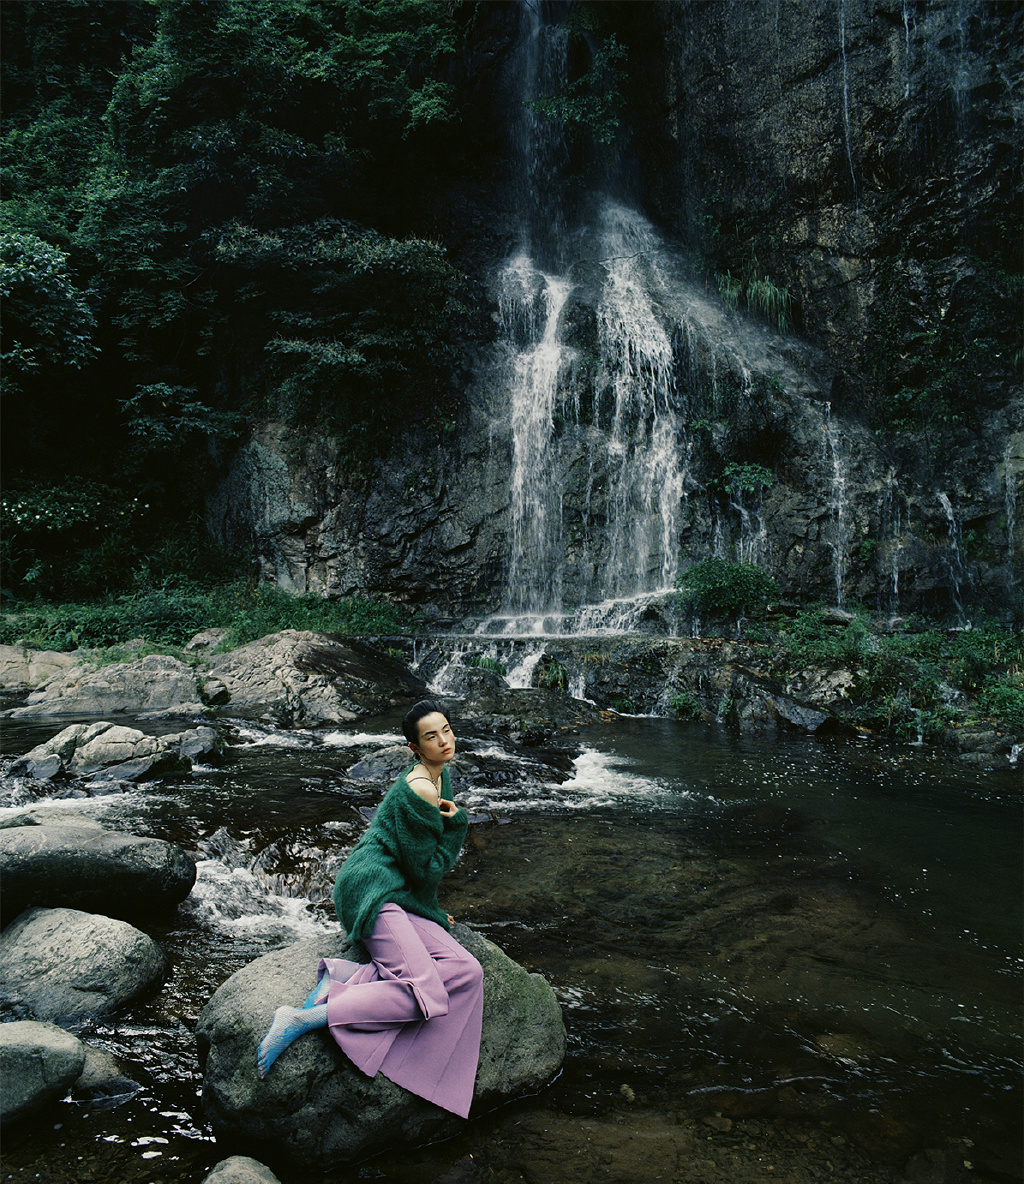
{"x":715,"y":587}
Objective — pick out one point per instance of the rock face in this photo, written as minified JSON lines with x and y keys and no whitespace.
{"x":23,"y":669}
{"x":315,"y":1108}
{"x":154,"y":684}
{"x":82,"y":867}
{"x":38,"y":1064}
{"x":60,"y":963}
{"x":857,"y":160}
{"x":309,"y":678}
{"x":113,"y":752}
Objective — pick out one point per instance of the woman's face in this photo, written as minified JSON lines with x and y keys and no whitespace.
{"x":436,"y":739}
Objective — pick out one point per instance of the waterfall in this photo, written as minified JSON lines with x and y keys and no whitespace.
{"x":954,"y":556}
{"x":645,"y":480}
{"x":893,"y":533}
{"x":1010,"y":500}
{"x":841,"y":5}
{"x":596,"y":487}
{"x":535,"y":523}
{"x":835,"y":472}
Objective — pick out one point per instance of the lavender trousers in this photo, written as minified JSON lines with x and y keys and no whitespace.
{"x":414,"y":1013}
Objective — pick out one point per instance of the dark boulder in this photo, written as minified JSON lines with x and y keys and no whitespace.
{"x":83,"y":867}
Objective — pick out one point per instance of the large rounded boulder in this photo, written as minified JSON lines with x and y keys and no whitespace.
{"x":305,"y":677}
{"x":38,"y":1064}
{"x":64,"y":964}
{"x":315,"y":1109}
{"x":82,"y":867}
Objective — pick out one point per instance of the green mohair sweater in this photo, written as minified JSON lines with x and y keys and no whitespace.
{"x":400,"y":859}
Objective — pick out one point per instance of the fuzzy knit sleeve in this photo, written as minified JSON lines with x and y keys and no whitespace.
{"x":401,"y":859}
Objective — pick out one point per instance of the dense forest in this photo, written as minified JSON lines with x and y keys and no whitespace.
{"x":211,"y":209}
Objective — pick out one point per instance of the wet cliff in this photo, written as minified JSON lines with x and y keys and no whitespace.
{"x":777,"y":323}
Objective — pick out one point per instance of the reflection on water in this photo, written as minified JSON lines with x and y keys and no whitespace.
{"x":779,"y":930}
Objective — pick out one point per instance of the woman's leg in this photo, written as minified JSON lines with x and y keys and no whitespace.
{"x":408,"y":986}
{"x":289,"y":1023}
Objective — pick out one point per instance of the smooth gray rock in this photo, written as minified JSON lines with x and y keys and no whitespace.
{"x":23,"y":669}
{"x":102,"y":1084}
{"x":315,"y":1109}
{"x":60,"y":963}
{"x":38,"y":1064}
{"x":155,"y":683}
{"x":107,"y":751}
{"x":240,"y":1169}
{"x":101,"y":871}
{"x":385,"y":763}
{"x":306,"y":677}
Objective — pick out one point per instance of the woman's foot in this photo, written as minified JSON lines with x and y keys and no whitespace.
{"x":289,"y":1023}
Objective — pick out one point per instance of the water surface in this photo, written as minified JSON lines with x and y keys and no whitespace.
{"x":780,"y":932}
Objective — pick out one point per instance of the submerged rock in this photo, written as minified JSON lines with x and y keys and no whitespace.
{"x":296,"y":677}
{"x":58,"y":963}
{"x":102,"y":1084}
{"x":315,"y":1108}
{"x":38,"y":1064}
{"x":66,"y":865}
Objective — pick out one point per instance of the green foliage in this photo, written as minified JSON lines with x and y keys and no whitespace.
{"x":139,"y":139}
{"x":744,"y":477}
{"x":760,"y":294}
{"x":591,"y":101}
{"x":905,"y":682}
{"x":164,"y":418}
{"x":1003,"y":700}
{"x":685,"y":705}
{"x":730,"y":289}
{"x":770,"y":301}
{"x":358,"y":327}
{"x":552,"y":675}
{"x":45,"y":530}
{"x":171,"y":615}
{"x":717,"y":587}
{"x":483,"y":662}
{"x":46,"y":319}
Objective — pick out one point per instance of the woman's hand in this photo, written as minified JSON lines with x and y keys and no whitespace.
{"x":448,"y":809}
{"x":451,"y":919}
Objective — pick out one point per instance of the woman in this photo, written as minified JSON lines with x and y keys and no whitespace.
{"x":414,"y":1012}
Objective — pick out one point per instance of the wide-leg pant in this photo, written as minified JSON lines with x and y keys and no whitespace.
{"x":414,"y":1013}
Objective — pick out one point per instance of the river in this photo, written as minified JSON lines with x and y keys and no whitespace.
{"x":782,"y":949}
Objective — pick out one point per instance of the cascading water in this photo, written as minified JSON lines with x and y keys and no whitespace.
{"x":893,"y":534}
{"x":623,"y":450}
{"x":958,"y":573}
{"x":841,"y":6}
{"x":834,"y":464}
{"x":1010,"y":500}
{"x":529,"y":298}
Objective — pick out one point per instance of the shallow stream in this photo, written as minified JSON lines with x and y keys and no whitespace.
{"x":791,"y":957}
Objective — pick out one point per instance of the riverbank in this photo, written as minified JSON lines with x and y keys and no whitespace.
{"x":801,"y":668}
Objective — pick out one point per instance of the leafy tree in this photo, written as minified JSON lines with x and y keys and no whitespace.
{"x":46,"y":321}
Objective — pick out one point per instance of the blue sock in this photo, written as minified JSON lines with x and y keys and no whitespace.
{"x":289,"y":1023}
{"x":319,"y":992}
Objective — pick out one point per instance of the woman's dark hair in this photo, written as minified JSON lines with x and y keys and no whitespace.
{"x":411,"y":723}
